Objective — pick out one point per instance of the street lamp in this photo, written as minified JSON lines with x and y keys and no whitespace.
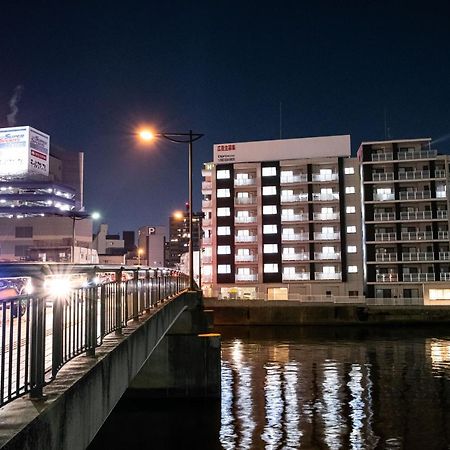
{"x":77,"y":215}
{"x":181,"y":138}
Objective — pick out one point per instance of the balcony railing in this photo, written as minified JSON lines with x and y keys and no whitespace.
{"x":325,"y":216}
{"x":301,"y":256}
{"x":296,"y":276}
{"x":418,"y":256}
{"x":295,"y":237}
{"x":444,"y":276}
{"x":418,"y":154}
{"x":300,"y":178}
{"x":441,"y":214}
{"x":415,"y":215}
{"x":325,"y":197}
{"x":416,"y":235}
{"x":326,"y":255}
{"x":326,"y":236}
{"x":440,"y":173}
{"x":384,"y":197}
{"x":244,"y":181}
{"x":444,"y":256}
{"x":294,"y":217}
{"x":385,"y":236}
{"x":414,"y":175}
{"x":206,"y":185}
{"x":386,"y":176}
{"x":303,"y":197}
{"x":245,"y":258}
{"x":325,"y":177}
{"x":388,"y":156}
{"x":206,"y":259}
{"x":386,"y":277}
{"x":327,"y":276}
{"x":384,"y":216}
{"x":206,"y":223}
{"x":206,"y":203}
{"x":245,"y":200}
{"x":442,"y":234}
{"x":245,"y":238}
{"x":385,"y":257}
{"x":245,"y":219}
{"x":441,"y":194}
{"x":246,"y":277}
{"x":416,"y":277}
{"x":416,"y":195}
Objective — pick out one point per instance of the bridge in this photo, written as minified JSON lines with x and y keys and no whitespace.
{"x":74,"y":339}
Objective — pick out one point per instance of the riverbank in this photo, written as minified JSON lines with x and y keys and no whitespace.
{"x":258,"y":312}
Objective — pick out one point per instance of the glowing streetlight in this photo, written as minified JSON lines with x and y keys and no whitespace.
{"x":76,"y":215}
{"x":180,"y":138}
{"x":178,"y":215}
{"x":140,"y":252}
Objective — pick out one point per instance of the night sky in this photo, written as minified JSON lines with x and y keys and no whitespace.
{"x":91,"y":73}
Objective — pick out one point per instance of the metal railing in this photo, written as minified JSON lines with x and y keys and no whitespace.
{"x":67,"y":311}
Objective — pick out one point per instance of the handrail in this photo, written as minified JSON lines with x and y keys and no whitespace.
{"x":43,"y":329}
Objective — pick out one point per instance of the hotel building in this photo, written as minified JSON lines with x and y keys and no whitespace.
{"x":405,"y":217}
{"x":282,"y":219}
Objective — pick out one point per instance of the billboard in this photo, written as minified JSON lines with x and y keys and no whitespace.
{"x":23,"y":151}
{"x":316,"y":147}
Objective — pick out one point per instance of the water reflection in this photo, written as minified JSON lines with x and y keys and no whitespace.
{"x":346,"y":393}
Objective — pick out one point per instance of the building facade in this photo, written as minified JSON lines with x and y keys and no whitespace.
{"x":151,"y":241}
{"x":405,"y":219}
{"x":42,"y":217}
{"x":286,"y":227}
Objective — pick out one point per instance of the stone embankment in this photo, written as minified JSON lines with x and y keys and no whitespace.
{"x":258,"y":312}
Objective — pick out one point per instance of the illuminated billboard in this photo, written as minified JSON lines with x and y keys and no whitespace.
{"x":23,"y":151}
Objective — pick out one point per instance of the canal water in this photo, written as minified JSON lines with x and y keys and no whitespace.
{"x":306,"y":388}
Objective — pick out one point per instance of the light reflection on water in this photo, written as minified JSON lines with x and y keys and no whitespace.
{"x":344,"y":394}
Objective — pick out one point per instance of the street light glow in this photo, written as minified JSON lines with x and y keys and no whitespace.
{"x":146,"y":135}
{"x":95,"y":215}
{"x":178,"y":215}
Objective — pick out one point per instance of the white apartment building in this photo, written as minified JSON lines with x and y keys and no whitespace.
{"x":282,"y":219}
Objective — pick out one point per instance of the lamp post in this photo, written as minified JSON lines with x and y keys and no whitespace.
{"x":181,"y":138}
{"x":79,"y":216}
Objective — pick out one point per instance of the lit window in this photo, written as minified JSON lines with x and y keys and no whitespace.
{"x":242,"y":195}
{"x":223,"y":249}
{"x":243,"y":233}
{"x":221,"y":193}
{"x":349,"y":170}
{"x":223,"y":174}
{"x":270,"y":248}
{"x":269,"y":190}
{"x":270,"y":268}
{"x":244,"y":271}
{"x":351,"y":249}
{"x":243,"y":252}
{"x":439,"y":294}
{"x":350,"y":190}
{"x":243,"y":214}
{"x":242,"y":176}
{"x":223,"y":231}
{"x":352,"y":269}
{"x":269,"y":209}
{"x":351,"y":229}
{"x":269,"y":171}
{"x":350,"y":210}
{"x":222,"y":212}
{"x":224,"y":268}
{"x":269,"y":229}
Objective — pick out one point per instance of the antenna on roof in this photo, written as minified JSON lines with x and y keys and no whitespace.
{"x":281,"y":120}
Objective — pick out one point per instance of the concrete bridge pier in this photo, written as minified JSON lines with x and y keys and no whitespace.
{"x":186,"y":362}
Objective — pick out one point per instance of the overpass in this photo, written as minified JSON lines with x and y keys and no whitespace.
{"x":74,"y":339}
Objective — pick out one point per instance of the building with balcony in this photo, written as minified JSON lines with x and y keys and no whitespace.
{"x":285,"y":227}
{"x":405,"y":218}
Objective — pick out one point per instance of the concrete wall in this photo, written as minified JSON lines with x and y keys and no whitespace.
{"x":87,"y":388}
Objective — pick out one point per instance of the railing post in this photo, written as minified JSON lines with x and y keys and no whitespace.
{"x":57,"y":335}
{"x":148,"y":294}
{"x":136,"y":295}
{"x":91,"y":316}
{"x":118,"y":318}
{"x":37,"y":339}
{"x":158,"y":280}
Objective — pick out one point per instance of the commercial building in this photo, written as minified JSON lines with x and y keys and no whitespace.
{"x":151,"y":241}
{"x":282,"y":228}
{"x":405,"y":219}
{"x":178,"y":242}
{"x":317,"y":222}
{"x":42,"y":217}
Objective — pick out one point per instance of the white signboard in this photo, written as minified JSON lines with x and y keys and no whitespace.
{"x":316,"y":147}
{"x":14,"y":151}
{"x":23,"y":151}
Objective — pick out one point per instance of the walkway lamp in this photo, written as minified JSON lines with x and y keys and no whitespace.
{"x":181,"y":138}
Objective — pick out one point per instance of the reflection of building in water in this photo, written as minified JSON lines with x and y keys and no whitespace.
{"x":335,"y":395}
